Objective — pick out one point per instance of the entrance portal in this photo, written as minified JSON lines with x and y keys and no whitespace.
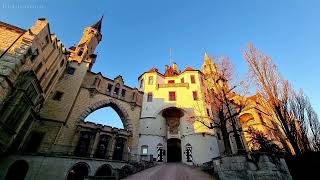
{"x":174,"y":150}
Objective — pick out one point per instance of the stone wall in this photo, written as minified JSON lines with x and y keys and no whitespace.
{"x":251,"y":167}
{"x":57,"y":168}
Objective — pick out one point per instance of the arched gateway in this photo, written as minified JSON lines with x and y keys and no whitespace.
{"x":89,"y":139}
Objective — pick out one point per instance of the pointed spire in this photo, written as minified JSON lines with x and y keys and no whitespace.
{"x":98,"y":24}
{"x":206,"y":57}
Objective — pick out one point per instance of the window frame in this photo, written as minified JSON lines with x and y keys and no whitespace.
{"x":195,"y":95}
{"x":192,"y":79}
{"x":149,"y":97}
{"x":174,"y":97}
{"x":71,"y":70}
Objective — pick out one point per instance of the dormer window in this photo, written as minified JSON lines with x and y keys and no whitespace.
{"x":116,"y":89}
{"x":109,"y":87}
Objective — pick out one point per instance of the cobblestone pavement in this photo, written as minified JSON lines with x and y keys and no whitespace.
{"x":171,"y":171}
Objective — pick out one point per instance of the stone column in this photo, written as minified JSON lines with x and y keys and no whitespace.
{"x":95,"y":143}
{"x":113,"y":143}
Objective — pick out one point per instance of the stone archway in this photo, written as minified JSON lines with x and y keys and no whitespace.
{"x":121,"y":111}
{"x":78,"y":171}
{"x":18,"y":170}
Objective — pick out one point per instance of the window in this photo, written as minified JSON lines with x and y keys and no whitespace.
{"x":34,"y":55}
{"x":150,"y":96}
{"x":195,"y":95}
{"x":193,"y":80}
{"x":57,"y":96}
{"x":172,"y":96}
{"x":144,"y":150}
{"x":62,"y":63}
{"x":170,"y":81}
{"x":133,"y":96}
{"x":71,"y":70}
{"x":47,"y":39}
{"x":109,"y":87}
{"x":182,"y":80}
{"x":141,"y":83}
{"x":150,"y":82}
{"x":123,"y":92}
{"x":38,"y":68}
{"x":80,"y":52}
{"x":96,"y":81}
{"x":116,"y":89}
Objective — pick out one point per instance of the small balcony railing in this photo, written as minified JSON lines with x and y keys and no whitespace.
{"x":173,"y":85}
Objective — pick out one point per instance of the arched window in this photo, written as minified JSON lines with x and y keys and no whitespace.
{"x":104,"y":170}
{"x":78,"y":171}
{"x":18,"y":170}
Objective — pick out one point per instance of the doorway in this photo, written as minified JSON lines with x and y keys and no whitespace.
{"x":174,"y":150}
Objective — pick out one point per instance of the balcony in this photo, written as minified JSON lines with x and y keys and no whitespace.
{"x":173,"y":85}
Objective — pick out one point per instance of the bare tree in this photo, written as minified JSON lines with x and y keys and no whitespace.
{"x":314,"y":127}
{"x":261,"y":142}
{"x":299,"y":104}
{"x":226,"y":105}
{"x":277,"y":92}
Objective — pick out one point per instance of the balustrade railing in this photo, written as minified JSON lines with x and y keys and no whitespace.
{"x":173,"y":85}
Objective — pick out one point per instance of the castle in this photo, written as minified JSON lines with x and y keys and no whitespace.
{"x":47,"y":91}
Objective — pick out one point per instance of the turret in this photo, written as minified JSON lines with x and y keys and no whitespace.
{"x":84,"y":51}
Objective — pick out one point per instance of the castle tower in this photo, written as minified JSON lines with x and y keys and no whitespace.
{"x":65,"y":92}
{"x":209,"y":66}
{"x":84,"y":51}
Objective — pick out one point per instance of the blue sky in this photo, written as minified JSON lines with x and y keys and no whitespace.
{"x":137,"y":34}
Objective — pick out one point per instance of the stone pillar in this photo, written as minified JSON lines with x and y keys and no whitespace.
{"x":95,"y":143}
{"x":113,"y":143}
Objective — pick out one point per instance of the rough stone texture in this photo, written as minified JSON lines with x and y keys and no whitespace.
{"x":264,"y":167}
{"x":56,"y":168}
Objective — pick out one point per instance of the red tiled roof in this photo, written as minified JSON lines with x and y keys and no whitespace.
{"x":189,"y":69}
{"x":152,"y":70}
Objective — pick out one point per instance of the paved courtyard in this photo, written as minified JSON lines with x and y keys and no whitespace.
{"x":171,"y":171}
